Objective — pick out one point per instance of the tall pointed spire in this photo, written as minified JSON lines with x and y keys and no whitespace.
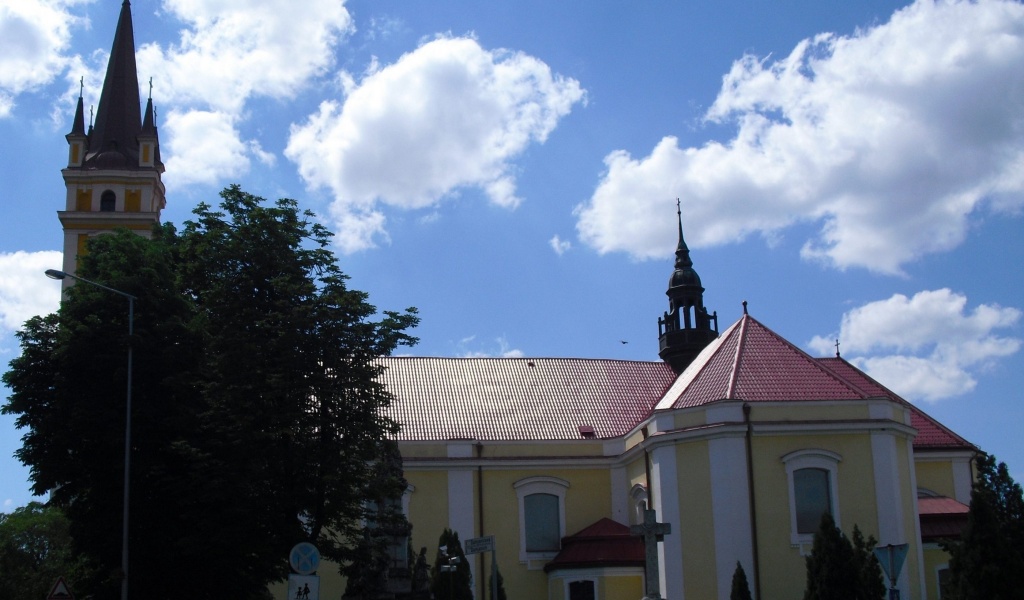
{"x":113,"y":174}
{"x":686,"y":328}
{"x":118,"y":119}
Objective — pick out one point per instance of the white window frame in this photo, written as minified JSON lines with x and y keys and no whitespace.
{"x":639,"y":503}
{"x":539,"y":485}
{"x":811,"y":458}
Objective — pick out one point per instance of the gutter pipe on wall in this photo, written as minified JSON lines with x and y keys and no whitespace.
{"x":753,"y":503}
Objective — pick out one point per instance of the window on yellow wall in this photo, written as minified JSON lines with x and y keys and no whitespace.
{"x":108,"y":201}
{"x":542,"y":530}
{"x":582,"y":590}
{"x":541,"y":516}
{"x":813,"y":498}
{"x":813,"y":476}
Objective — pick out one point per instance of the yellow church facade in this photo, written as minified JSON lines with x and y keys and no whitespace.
{"x":736,"y":471}
{"x":737,"y":440}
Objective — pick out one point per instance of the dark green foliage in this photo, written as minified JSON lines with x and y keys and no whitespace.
{"x":501,"y":585}
{"x":871,"y":583}
{"x":988,"y":561}
{"x":456,"y":583}
{"x":740,"y":587}
{"x":840,"y":570}
{"x":256,"y":412}
{"x":35,"y":549}
{"x":384,"y":538}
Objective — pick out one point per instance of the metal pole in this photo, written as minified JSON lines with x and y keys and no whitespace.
{"x":127,"y":452}
{"x":55,"y":274}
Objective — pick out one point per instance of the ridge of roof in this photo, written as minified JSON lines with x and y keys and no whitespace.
{"x":931,"y":433}
{"x":750,"y":362}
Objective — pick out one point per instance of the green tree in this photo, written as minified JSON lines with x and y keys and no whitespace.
{"x":35,"y":549}
{"x":988,"y":560}
{"x":740,"y":586}
{"x":374,"y":566}
{"x":256,"y":402}
{"x":870,"y":583}
{"x":501,"y":585}
{"x":840,"y":570}
{"x":450,"y":577}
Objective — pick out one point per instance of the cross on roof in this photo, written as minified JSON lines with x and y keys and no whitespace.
{"x":652,"y":532}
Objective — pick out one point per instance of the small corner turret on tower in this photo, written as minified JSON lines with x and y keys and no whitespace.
{"x":113,"y":174}
{"x":686,"y":328}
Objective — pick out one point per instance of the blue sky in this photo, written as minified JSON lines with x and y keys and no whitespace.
{"x":853,"y":170}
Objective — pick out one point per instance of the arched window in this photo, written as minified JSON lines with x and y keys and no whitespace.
{"x":639,"y":501}
{"x":108,"y":201}
{"x":813,"y":491}
{"x":541,"y":516}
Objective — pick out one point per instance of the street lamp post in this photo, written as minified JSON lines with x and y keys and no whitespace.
{"x":55,"y":274}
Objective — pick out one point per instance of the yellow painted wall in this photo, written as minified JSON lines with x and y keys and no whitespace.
{"x":428,"y":508}
{"x":626,"y":587}
{"x":783,"y":569}
{"x":83,"y":200}
{"x":696,"y":526}
{"x":132,"y":200}
{"x":587,"y":500}
{"x":936,"y":476}
{"x":934,"y":558}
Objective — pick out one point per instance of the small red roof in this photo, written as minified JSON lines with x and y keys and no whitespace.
{"x":941,"y":518}
{"x":606,"y":543}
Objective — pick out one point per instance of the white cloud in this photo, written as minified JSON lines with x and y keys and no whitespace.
{"x":234,"y":49}
{"x":24,"y":291}
{"x":35,"y":36}
{"x":925,"y":347}
{"x":229,"y":52}
{"x":889,"y":139}
{"x":501,"y":349}
{"x":559,"y":245}
{"x":203,"y":148}
{"x":446,"y":116}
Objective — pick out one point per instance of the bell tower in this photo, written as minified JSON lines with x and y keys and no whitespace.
{"x":113,"y":172}
{"x":686,"y":328}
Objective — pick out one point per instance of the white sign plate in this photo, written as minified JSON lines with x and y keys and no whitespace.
{"x":480,"y":544}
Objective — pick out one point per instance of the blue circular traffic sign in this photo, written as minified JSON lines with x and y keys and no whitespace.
{"x":304,"y":558}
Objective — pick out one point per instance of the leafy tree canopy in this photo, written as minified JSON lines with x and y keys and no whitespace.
{"x":450,"y":577}
{"x":35,"y":549}
{"x":256,"y":409}
{"x":740,"y":587}
{"x":838,"y":569}
{"x":988,"y":560}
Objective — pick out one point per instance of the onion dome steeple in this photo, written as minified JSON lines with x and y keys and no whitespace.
{"x":686,"y":328}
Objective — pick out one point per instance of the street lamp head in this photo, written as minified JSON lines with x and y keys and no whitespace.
{"x":55,"y":274}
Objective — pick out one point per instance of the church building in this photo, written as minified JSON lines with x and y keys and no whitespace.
{"x":737,"y":439}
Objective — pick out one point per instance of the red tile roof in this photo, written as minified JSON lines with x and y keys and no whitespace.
{"x":541,"y":399}
{"x":520,"y":398}
{"x":752,"y":363}
{"x":930,"y":433}
{"x":603,"y":544}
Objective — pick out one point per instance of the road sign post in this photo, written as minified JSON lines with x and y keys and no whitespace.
{"x":485,"y":544}
{"x":891,"y":557}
